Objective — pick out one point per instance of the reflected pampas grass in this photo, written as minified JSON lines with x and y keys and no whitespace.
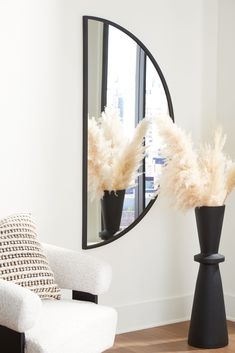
{"x":230,"y":182}
{"x":194,"y":177}
{"x":113,"y":158}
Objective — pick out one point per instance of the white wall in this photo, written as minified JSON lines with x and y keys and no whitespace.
{"x":226,"y":117}
{"x":41,"y":137}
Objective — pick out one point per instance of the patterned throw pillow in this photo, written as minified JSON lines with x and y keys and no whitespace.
{"x":22,"y":259}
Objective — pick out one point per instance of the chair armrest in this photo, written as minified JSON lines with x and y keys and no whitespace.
{"x":77,"y":271}
{"x":19,"y":307}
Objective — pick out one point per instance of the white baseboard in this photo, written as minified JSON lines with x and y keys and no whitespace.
{"x":138,"y":316}
{"x":230,"y":306}
{"x":164,"y":311}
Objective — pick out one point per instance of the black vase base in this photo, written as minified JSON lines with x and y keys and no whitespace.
{"x":207,"y":346}
{"x":208,"y":326}
{"x":106,"y":234}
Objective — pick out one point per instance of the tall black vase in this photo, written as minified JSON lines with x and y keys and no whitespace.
{"x":111,"y":209}
{"x":208,"y":327}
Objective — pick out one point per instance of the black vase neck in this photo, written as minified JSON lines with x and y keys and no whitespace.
{"x":209,"y":225}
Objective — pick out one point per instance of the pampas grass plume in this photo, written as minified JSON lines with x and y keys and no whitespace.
{"x":194,"y":177}
{"x":113,"y":159}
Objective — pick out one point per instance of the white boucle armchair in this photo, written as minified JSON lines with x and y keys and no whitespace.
{"x":31,"y":325}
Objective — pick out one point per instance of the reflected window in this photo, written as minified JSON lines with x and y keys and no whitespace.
{"x":131,"y":85}
{"x":121,"y":76}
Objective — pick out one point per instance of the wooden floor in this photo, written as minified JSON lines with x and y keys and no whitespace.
{"x":165,"y":339}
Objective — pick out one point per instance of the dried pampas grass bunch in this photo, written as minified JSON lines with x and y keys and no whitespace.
{"x":194,"y":177}
{"x":113,"y":159}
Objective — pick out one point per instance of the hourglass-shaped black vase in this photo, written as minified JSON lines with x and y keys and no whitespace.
{"x":208,"y":326}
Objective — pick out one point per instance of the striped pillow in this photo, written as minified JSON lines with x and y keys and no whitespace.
{"x":22,"y":259}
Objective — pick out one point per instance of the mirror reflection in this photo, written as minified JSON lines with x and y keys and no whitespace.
{"x":125,"y":89}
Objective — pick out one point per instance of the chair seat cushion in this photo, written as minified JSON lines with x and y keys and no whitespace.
{"x":70,"y":326}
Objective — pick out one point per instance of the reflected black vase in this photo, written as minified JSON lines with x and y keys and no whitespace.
{"x":208,"y":326}
{"x":111,"y":209}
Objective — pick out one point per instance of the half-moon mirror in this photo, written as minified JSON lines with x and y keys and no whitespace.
{"x":123,"y":90}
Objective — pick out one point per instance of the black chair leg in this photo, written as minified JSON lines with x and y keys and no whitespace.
{"x":11,"y":341}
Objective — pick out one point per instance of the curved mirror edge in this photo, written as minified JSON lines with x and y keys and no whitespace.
{"x":85,"y":244}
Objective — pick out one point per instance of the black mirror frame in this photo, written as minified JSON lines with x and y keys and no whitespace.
{"x":85,"y":126}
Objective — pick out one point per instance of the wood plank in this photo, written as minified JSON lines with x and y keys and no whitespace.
{"x":165,"y":339}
